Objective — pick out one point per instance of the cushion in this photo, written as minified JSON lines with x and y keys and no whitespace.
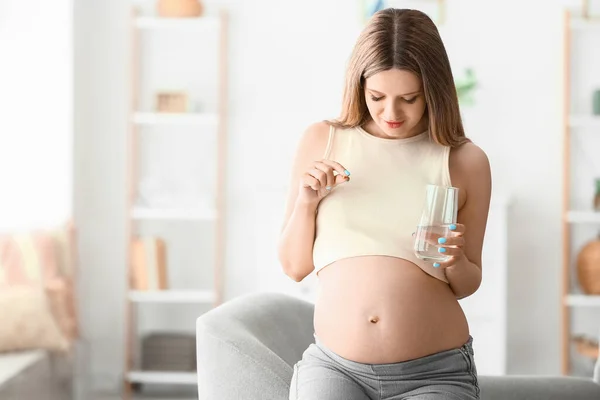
{"x":26,"y":322}
{"x":36,"y":291}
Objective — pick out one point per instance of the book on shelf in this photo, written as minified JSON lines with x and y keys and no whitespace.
{"x":149,"y":264}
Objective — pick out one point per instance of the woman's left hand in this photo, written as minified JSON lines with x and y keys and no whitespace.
{"x":451,"y":245}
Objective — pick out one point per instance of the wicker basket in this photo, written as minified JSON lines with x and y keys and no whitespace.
{"x":588,"y":267}
{"x":179,"y":8}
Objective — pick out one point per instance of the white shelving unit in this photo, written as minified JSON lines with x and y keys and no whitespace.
{"x":583,"y":25}
{"x":583,"y":217}
{"x":579,"y":300}
{"x":576,"y":223}
{"x":191,"y":119}
{"x":174,"y":214}
{"x":191,"y":24}
{"x":198,"y":123}
{"x":173,"y":296}
{"x":164,"y":378}
{"x":587,"y":121}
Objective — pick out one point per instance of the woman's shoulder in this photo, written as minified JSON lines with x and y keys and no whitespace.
{"x":317,"y":131}
{"x":469,"y":165}
{"x":314,"y":140}
{"x":468,"y":155}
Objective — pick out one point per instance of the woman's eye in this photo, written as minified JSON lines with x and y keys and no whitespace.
{"x":409,"y":101}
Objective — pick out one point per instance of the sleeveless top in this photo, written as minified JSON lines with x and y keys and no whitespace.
{"x":377,"y":211}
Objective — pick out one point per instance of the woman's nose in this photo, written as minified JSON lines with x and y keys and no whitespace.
{"x":392,"y":115}
{"x":392,"y":112}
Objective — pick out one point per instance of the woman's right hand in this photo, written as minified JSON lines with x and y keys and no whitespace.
{"x":319,"y":179}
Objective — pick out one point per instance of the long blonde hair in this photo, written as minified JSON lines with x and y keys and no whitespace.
{"x":407,"y":40}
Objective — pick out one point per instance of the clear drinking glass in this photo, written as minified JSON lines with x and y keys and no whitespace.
{"x":439,"y":212}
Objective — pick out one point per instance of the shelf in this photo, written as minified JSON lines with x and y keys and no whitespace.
{"x":187,"y":24}
{"x":165,"y":378}
{"x":583,"y":217}
{"x":582,"y":24}
{"x":190,"y":119}
{"x":576,"y":121}
{"x":184,"y":214}
{"x":579,"y":35}
{"x":172,"y":296}
{"x":211,"y":30}
{"x":582,"y":300}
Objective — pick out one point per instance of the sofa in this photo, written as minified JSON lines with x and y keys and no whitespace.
{"x":246,"y":349}
{"x":35,"y":374}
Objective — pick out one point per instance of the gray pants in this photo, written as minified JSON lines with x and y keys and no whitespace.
{"x":324,"y":375}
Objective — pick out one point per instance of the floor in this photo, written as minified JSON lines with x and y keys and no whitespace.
{"x":165,"y":395}
{"x":157,"y":397}
{"x":143,"y":398}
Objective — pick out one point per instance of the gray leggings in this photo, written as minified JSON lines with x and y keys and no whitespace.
{"x":324,"y":375}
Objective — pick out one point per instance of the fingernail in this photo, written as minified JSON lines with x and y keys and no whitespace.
{"x":442,"y":240}
{"x":452,"y":227}
{"x":347,"y":172}
{"x":442,"y":249}
{"x":327,"y":187}
{"x":436,"y":265}
{"x":414,"y":233}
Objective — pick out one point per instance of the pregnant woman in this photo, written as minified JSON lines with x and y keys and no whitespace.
{"x":387,"y":324}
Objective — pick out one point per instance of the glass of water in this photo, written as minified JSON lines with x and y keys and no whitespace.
{"x":439,"y":212}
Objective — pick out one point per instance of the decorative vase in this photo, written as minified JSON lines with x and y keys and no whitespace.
{"x":588,"y":267}
{"x":596,"y":102}
{"x":180,"y":8}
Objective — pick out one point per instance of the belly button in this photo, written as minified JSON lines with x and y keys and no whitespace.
{"x":374,"y":320}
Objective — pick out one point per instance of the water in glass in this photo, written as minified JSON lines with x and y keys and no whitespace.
{"x":439,"y":212}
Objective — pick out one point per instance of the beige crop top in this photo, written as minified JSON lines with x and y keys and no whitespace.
{"x":378,"y":209}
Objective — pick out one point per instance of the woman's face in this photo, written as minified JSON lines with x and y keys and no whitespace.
{"x":396,"y":103}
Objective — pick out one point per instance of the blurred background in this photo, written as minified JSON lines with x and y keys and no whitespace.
{"x":145,"y":149}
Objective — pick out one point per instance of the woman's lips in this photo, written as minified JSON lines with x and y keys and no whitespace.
{"x":394,"y":124}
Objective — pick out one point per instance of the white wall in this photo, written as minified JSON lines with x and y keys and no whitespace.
{"x":267,"y":85}
{"x":101,"y":90}
{"x":517,"y":120}
{"x":286,"y":72}
{"x":35,"y":113}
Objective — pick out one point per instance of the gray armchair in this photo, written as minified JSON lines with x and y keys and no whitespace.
{"x":247,"y":348}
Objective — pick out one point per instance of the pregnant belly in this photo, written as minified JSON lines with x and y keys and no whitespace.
{"x":379,"y":310}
